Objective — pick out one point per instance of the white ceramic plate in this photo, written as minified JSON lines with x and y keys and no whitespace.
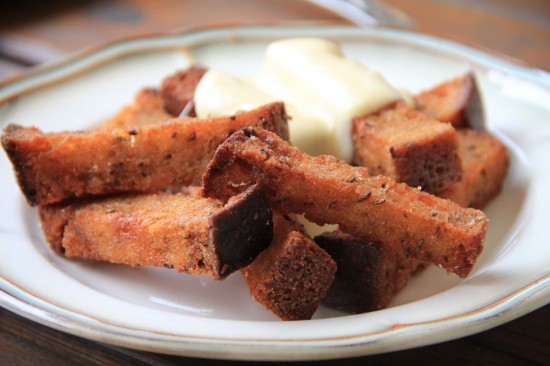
{"x":160,"y":310}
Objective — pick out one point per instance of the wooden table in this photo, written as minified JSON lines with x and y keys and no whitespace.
{"x":32,"y":32}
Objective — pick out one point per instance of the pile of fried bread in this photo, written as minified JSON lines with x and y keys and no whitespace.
{"x":155,"y":185}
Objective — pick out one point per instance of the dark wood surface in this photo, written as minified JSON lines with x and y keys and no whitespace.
{"x":32,"y":32}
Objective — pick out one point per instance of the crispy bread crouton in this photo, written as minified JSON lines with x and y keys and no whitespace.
{"x":407,"y":146}
{"x":456,"y":101}
{"x":147,"y":108}
{"x":369,"y":273}
{"x":191,"y":234}
{"x":485,"y":166}
{"x":179,"y":89}
{"x":53,"y":167}
{"x":152,"y":105}
{"x":330,"y":191}
{"x":291,"y":276}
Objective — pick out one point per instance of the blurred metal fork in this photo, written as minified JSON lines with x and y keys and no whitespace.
{"x":366,"y":13}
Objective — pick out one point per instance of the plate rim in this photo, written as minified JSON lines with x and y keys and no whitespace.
{"x":530,"y":297}
{"x":131,"y":43}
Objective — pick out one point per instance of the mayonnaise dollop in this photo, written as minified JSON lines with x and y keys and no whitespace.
{"x":322,"y":90}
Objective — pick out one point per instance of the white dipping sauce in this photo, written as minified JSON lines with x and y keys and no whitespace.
{"x":321,"y":89}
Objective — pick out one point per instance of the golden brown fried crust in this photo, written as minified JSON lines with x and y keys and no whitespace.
{"x":456,"y":101}
{"x":292,"y":276}
{"x":485,"y":163}
{"x":151,"y":105}
{"x":407,"y":146}
{"x":369,"y":273}
{"x":53,"y":167}
{"x":147,"y":108}
{"x":191,"y":234}
{"x":330,"y":191}
{"x":179,"y":89}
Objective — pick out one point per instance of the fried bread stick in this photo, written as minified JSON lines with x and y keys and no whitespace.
{"x":147,"y":108}
{"x":191,"y":234}
{"x":456,"y":101}
{"x":369,"y":273}
{"x":291,"y":276}
{"x":152,"y":105}
{"x":407,"y":146}
{"x":485,"y":163}
{"x":52,"y":167}
{"x":330,"y":191}
{"x":178,"y":90}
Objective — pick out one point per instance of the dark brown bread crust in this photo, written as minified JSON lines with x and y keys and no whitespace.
{"x":330,"y":191}
{"x":456,"y":101}
{"x":292,"y":276}
{"x":407,"y":146}
{"x":369,"y":273}
{"x":53,"y":167}
{"x":147,"y":108}
{"x":179,"y":89}
{"x":485,"y":163}
{"x":191,"y":234}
